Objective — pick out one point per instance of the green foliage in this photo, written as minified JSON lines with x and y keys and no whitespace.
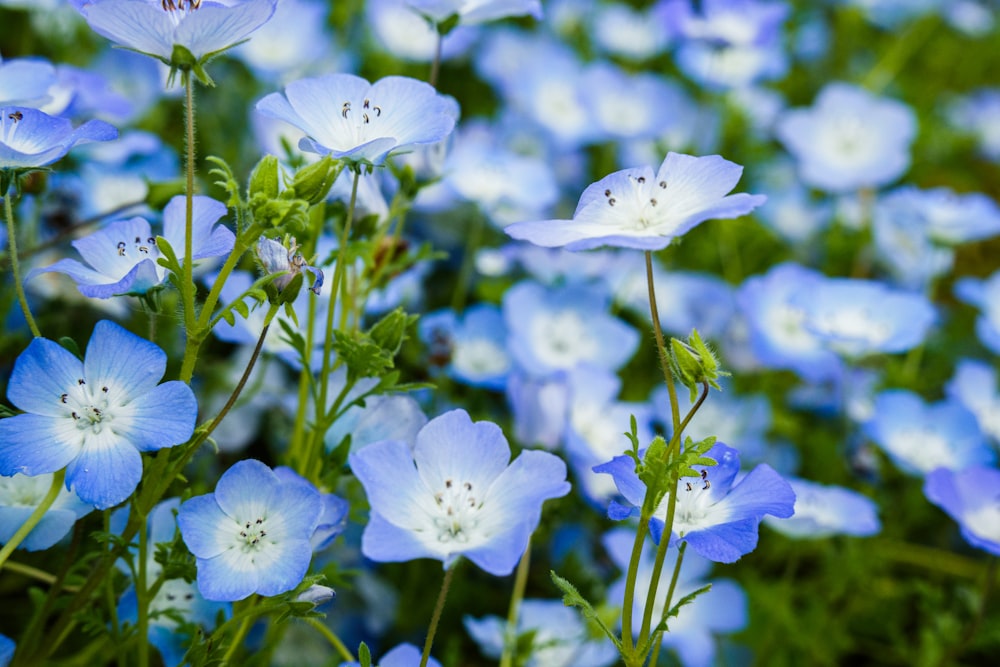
{"x":572,"y":598}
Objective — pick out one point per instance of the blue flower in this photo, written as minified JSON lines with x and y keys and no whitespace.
{"x":455,"y":495}
{"x":25,"y":81}
{"x":93,"y":417}
{"x":717,"y":518}
{"x":7,"y":646}
{"x":969,"y":497}
{"x":470,"y":12}
{"x":559,"y":637}
{"x":20,"y":495}
{"x":203,"y":27}
{"x":473,"y":346}
{"x":122,"y":256}
{"x":275,"y":258}
{"x":404,"y":655}
{"x":920,"y":438}
{"x":251,"y":535}
{"x":347,"y":117}
{"x":636,"y":208}
{"x":975,"y":386}
{"x":985,"y":295}
{"x":822,"y":511}
{"x":849,"y":139}
{"x":31,"y":138}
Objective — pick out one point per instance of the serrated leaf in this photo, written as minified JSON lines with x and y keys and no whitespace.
{"x":572,"y":598}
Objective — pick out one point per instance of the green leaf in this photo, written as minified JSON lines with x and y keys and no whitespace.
{"x":572,"y":598}
{"x":71,"y":345}
{"x":363,"y":357}
{"x":264,"y":179}
{"x":675,"y":611}
{"x":241,"y":308}
{"x":225,"y":180}
{"x":390,"y":331}
{"x":364,"y":655}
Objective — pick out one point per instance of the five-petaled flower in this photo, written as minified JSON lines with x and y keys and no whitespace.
{"x":636,"y":208}
{"x":717,"y":518}
{"x":454,"y":494}
{"x":348,"y":118}
{"x":202,"y":28}
{"x":252,"y":534}
{"x":93,"y":417}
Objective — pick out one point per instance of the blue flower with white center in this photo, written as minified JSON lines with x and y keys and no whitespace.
{"x":636,"y":208}
{"x":975,"y":386}
{"x":93,"y":417}
{"x":721,"y":610}
{"x":921,"y":437}
{"x":849,"y":139}
{"x":408,"y":36}
{"x":122,"y":256}
{"x":979,"y":115}
{"x":349,"y":118}
{"x":472,"y":347}
{"x":716,"y":517}
{"x":154,"y":27}
{"x":174,"y":598}
{"x":985,"y":295}
{"x":971,"y":498}
{"x":856,"y":318}
{"x":21,"y":494}
{"x":251,"y":535}
{"x":559,"y":636}
{"x":31,"y":138}
{"x":776,"y":319}
{"x":822,"y":511}
{"x":558,"y":329}
{"x":455,"y":494}
{"x":540,"y":408}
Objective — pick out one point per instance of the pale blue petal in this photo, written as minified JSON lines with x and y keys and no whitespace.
{"x":34,"y":444}
{"x":452,"y":447}
{"x":500,"y":556}
{"x":295,"y":510}
{"x":282,"y":566}
{"x":137,"y":24}
{"x":106,"y":472}
{"x":406,"y":655}
{"x":395,"y":490}
{"x":162,"y":417}
{"x":319,"y":103}
{"x":384,"y":542}
{"x":100,"y":249}
{"x":125,"y":363}
{"x":42,"y":373}
{"x":226,"y":577}
{"x":139,"y":280}
{"x":205,"y":529}
{"x":724,"y":543}
{"x":622,"y":469}
{"x":55,"y":524}
{"x":246,"y":491}
{"x":212,"y":27}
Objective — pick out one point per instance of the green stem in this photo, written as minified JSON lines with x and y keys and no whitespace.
{"x":142,"y":596}
{"x":668,"y":526}
{"x":438,"y":608}
{"x":468,"y":263}
{"x":188,"y":279}
{"x":628,"y":642}
{"x":661,"y":346}
{"x":15,"y":267}
{"x":436,"y":63}
{"x":36,"y":516}
{"x":331,"y":637}
{"x":35,"y":573}
{"x":977,"y":620}
{"x":242,"y":630}
{"x":520,"y":582}
{"x":657,"y":643}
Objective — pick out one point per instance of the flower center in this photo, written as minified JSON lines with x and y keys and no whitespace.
{"x":139,"y":249}
{"x":361,"y":116}
{"x":88,"y":408}
{"x":180,"y":5}
{"x":252,"y":533}
{"x":646,"y":198}
{"x":457,"y":507}
{"x":693,"y":504}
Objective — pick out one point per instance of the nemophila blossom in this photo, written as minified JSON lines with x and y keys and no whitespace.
{"x":175,"y":599}
{"x":122,"y":256}
{"x":979,"y":114}
{"x":773,"y":307}
{"x":558,"y":329}
{"x":539,"y":406}
{"x":407,"y":35}
{"x":822,"y":511}
{"x":559,"y":637}
{"x":475,"y":11}
{"x":636,"y":208}
{"x":692,"y":634}
{"x":31,"y":138}
{"x":849,"y":139}
{"x":921,"y":437}
{"x":621,"y":30}
{"x":471,"y":347}
{"x":404,"y":655}
{"x":349,"y":118}
{"x":25,"y":81}
{"x":629,"y":106}
{"x":856,"y":317}
{"x":975,"y":386}
{"x":20,"y":495}
{"x":204,"y":28}
{"x":456,"y":494}
{"x":971,"y":498}
{"x":985,"y":295}
{"x":903,"y":244}
{"x":252,"y":535}
{"x":716,"y":517}
{"x":93,"y":417}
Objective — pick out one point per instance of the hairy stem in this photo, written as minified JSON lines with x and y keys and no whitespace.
{"x":520,"y":582}
{"x":15,"y":268}
{"x":436,"y":618}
